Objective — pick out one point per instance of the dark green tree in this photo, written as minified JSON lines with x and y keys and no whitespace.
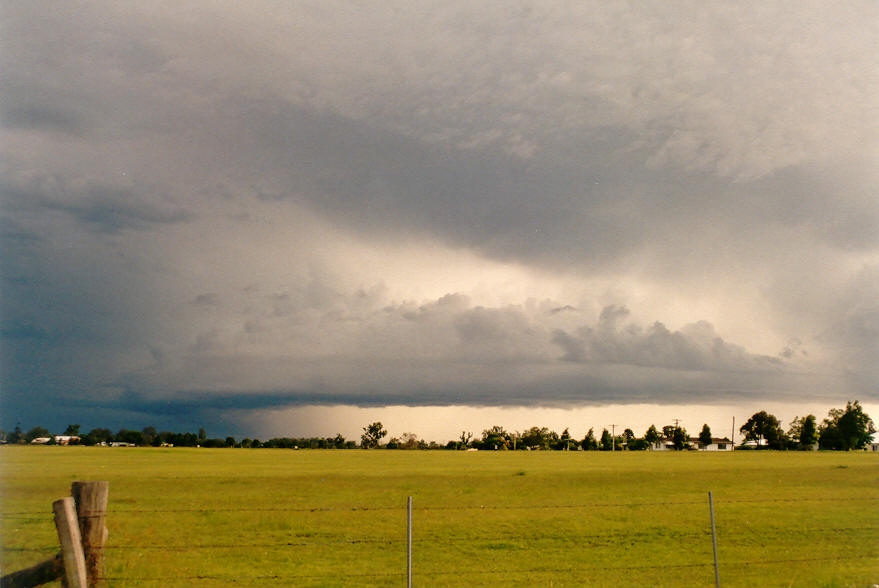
{"x":96,"y":436}
{"x":36,"y":433}
{"x":72,"y":430}
{"x":846,"y":429}
{"x":809,"y":432}
{"x":606,"y":440}
{"x":803,"y":432}
{"x":705,"y":435}
{"x":539,"y":437}
{"x":127,"y":436}
{"x":495,"y":438}
{"x":589,"y":443}
{"x":372,"y":435}
{"x":16,"y":436}
{"x":464,"y":439}
{"x":679,"y":438}
{"x":150,"y":436}
{"x":763,"y":425}
{"x":564,"y":442}
{"x":652,"y":435}
{"x":628,"y":437}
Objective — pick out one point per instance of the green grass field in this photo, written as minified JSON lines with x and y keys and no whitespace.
{"x":201,"y":517}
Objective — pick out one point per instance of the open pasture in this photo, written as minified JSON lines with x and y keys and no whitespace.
{"x":203,"y":517}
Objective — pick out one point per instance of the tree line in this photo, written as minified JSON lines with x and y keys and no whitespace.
{"x":842,"y":429}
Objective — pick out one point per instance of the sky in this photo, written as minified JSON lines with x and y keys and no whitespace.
{"x":273,"y":219}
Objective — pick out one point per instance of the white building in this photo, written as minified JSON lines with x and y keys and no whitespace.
{"x":717,"y":444}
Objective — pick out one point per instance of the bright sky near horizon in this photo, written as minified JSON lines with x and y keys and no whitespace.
{"x":279,"y":216}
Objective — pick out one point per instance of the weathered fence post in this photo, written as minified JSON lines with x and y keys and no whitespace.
{"x":91,"y":508}
{"x":71,"y":543}
{"x":79,"y":520}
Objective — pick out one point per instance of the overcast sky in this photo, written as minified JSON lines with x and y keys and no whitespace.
{"x":283,"y":217}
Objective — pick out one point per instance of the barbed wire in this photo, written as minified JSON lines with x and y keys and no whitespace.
{"x":356,"y":508}
{"x":498,"y":572}
{"x":437,"y":538}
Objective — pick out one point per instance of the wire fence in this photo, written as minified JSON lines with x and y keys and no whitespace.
{"x":757,"y":537}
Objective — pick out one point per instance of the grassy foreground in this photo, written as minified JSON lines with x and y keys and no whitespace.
{"x":193,"y":517}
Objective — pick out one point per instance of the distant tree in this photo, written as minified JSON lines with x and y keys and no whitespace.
{"x":652,"y":435}
{"x":803,"y":432}
{"x":808,"y":433}
{"x":668,"y":431}
{"x":409,"y":441}
{"x":606,"y":440}
{"x":628,"y":437}
{"x":540,"y":437}
{"x":705,"y":435}
{"x":846,"y":429}
{"x":464,"y":439}
{"x":256,"y":444}
{"x":589,"y":443}
{"x":127,"y":436}
{"x":393,"y":443}
{"x":36,"y":433}
{"x":566,"y":442}
{"x":679,"y":438}
{"x":186,"y":440}
{"x":495,"y":438}
{"x":16,"y":436}
{"x":638,"y":445}
{"x":763,"y":425}
{"x":339,"y":441}
{"x":96,"y":436}
{"x":230,"y":442}
{"x":150,"y":436}
{"x":372,"y":435}
{"x":202,"y":434}
{"x":72,"y":430}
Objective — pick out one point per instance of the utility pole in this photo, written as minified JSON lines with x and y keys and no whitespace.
{"x":733,"y":435}
{"x":613,"y":438}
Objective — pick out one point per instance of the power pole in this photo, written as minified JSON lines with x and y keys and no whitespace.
{"x":613,"y":438}
{"x":733,"y":436}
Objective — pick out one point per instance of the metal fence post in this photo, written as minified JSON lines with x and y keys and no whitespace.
{"x":409,"y":554}
{"x":714,"y":540}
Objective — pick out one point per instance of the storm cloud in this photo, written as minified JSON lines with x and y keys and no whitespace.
{"x":209,"y":209}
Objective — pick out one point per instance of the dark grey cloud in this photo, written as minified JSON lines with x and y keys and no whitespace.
{"x":241,"y":207}
{"x":696,"y":347}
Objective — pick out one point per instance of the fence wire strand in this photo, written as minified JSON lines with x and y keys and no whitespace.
{"x":496,"y":572}
{"x":356,"y":508}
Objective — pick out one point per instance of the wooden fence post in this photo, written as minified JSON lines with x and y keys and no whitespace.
{"x":91,"y":507}
{"x":71,"y":543}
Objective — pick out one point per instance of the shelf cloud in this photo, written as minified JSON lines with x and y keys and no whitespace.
{"x":220,"y":209}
